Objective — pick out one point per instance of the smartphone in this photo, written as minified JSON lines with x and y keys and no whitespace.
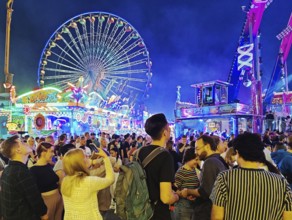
{"x":94,"y":147}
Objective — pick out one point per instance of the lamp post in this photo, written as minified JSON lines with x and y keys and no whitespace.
{"x":8,"y":76}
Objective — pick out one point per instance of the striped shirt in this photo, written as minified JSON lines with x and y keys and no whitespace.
{"x":186,"y":179}
{"x":250,"y":194}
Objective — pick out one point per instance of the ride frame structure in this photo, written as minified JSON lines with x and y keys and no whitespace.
{"x":246,"y":68}
{"x":278,"y":93}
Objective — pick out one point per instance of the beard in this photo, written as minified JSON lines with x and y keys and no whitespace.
{"x":203,"y":155}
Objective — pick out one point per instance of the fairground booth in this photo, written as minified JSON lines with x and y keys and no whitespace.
{"x":211,"y":111}
{"x":52,"y":111}
{"x":281,"y":107}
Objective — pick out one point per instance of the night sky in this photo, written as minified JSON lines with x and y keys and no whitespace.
{"x":189,"y":41}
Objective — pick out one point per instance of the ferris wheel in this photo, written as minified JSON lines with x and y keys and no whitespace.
{"x":105,"y":50}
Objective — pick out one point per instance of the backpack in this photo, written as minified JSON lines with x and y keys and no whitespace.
{"x":131,"y":193}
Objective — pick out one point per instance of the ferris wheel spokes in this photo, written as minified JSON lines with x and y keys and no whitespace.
{"x":62,"y":71}
{"x":65,"y":52}
{"x":129,"y":64}
{"x":104,"y":49}
{"x":63,"y":76}
{"x":126,"y":78}
{"x":79,"y":67}
{"x":63,"y":82}
{"x":64,"y":65}
{"x":80,"y":52}
{"x":72,"y":50}
{"x":127,"y":72}
{"x":84,"y":52}
{"x":124,"y":59}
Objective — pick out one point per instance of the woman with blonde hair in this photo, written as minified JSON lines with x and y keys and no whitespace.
{"x":79,"y":190}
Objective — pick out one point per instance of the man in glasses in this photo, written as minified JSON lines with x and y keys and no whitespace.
{"x":206,"y":149}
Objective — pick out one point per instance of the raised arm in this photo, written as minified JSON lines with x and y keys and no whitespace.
{"x":98,"y":183}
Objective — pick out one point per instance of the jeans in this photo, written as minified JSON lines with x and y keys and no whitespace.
{"x":270,"y":124}
{"x":184,"y":209}
{"x":202,"y":209}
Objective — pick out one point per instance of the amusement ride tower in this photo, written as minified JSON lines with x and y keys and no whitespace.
{"x":246,"y":68}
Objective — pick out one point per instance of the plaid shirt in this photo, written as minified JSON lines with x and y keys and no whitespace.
{"x":20,"y":196}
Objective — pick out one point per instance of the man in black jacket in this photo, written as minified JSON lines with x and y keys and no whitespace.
{"x":20,"y":196}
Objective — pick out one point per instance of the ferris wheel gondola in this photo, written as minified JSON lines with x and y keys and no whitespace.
{"x":105,"y":50}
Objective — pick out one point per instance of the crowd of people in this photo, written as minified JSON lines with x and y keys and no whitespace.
{"x":278,"y":121}
{"x":195,"y":178}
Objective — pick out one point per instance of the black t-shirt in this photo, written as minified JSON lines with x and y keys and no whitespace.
{"x":125,"y":148}
{"x":88,"y":142}
{"x":181,"y":154}
{"x":160,"y":169}
{"x":5,"y":159}
{"x":270,"y":116}
{"x":45,"y":177}
{"x":175,"y":159}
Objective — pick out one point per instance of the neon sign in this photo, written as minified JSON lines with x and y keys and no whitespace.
{"x":45,"y":95}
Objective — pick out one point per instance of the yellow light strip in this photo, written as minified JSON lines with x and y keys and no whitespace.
{"x":32,"y":92}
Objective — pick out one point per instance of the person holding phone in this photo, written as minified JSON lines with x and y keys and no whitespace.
{"x":79,"y":189}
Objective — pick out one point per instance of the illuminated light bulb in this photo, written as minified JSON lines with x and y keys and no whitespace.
{"x":92,"y":19}
{"x":48,"y":53}
{"x":82,"y":21}
{"x":65,"y":30}
{"x":101,"y":19}
{"x":73,"y":25}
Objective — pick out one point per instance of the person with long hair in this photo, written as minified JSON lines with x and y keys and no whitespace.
{"x":32,"y":157}
{"x":79,"y":189}
{"x":186,"y":177}
{"x":230,"y":158}
{"x":114,"y":152}
{"x":48,"y":181}
{"x":221,"y":145}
